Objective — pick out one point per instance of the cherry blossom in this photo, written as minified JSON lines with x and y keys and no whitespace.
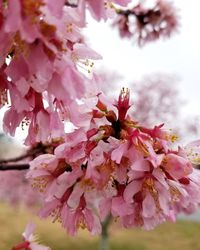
{"x":128,"y":168}
{"x":146,"y":24}
{"x":29,"y":238}
{"x":109,"y":164}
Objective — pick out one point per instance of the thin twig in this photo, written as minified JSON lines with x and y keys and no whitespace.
{"x":72,"y":5}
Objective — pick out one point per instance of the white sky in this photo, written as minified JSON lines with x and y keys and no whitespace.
{"x":179,"y":55}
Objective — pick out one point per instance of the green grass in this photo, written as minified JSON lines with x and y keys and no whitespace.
{"x":183,"y":235}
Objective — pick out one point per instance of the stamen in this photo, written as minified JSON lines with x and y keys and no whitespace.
{"x":3,"y":97}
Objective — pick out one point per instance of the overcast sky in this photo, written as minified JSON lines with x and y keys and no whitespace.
{"x":179,"y":55}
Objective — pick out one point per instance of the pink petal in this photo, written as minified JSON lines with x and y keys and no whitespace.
{"x":30,"y":228}
{"x":120,"y":207}
{"x":13,"y":20}
{"x":148,"y":206}
{"x":74,"y":198}
{"x":131,"y":189}
{"x":84,"y":52}
{"x":117,"y":153}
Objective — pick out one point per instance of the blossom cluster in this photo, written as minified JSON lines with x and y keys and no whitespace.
{"x":146,"y":24}
{"x":44,"y":63}
{"x":111,"y":165}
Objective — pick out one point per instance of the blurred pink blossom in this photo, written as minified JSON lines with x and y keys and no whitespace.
{"x":146,"y":24}
{"x":29,"y":242}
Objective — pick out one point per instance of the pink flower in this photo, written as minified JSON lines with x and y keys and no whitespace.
{"x":193,"y":152}
{"x":121,"y":150}
{"x":177,"y":166}
{"x":55,"y":7}
{"x":147,"y":24}
{"x":43,"y":55}
{"x":72,"y":218}
{"x":82,"y":217}
{"x":100,"y":9}
{"x":44,"y":171}
{"x":122,"y":23}
{"x":112,"y":165}
{"x":12,"y":120}
{"x":29,"y":242}
{"x":123,"y":104}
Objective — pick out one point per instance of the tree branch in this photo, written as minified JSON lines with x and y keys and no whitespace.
{"x":14,"y":167}
{"x":32,"y":152}
{"x":22,"y":157}
{"x":104,"y":244}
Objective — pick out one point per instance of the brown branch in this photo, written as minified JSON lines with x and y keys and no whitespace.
{"x":33,"y":152}
{"x":14,"y":167}
{"x":19,"y":158}
{"x":22,"y":157}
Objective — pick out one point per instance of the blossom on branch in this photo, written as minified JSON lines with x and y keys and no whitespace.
{"x":118,"y":167}
{"x":109,"y":164}
{"x":41,"y":56}
{"x":30,"y":240}
{"x":147,"y":24}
